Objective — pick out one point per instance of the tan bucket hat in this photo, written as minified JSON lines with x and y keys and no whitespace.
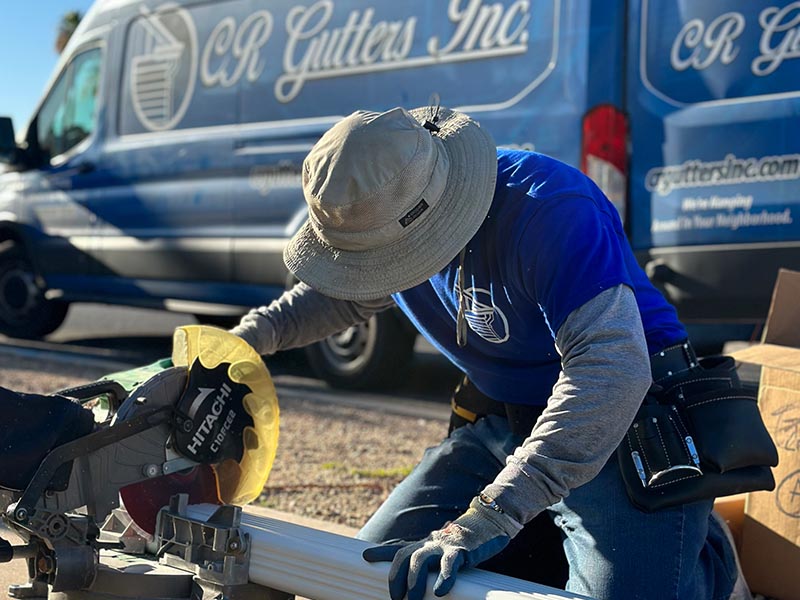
{"x":392,"y":198}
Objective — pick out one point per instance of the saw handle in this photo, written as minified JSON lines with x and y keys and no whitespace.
{"x":9,"y":552}
{"x":115,"y":393}
{"x":21,"y":510}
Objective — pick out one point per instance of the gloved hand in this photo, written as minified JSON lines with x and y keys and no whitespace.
{"x":478,"y":534}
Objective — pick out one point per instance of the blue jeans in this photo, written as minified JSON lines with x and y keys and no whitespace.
{"x":613,"y":550}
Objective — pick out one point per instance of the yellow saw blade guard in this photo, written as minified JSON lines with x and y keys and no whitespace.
{"x":239,"y":482}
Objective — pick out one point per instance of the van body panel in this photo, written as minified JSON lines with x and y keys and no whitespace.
{"x":190,"y":184}
{"x":713,"y":98}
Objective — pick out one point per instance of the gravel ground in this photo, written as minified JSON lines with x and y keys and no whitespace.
{"x":334,"y":463}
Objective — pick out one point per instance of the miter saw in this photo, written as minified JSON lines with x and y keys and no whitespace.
{"x":102,"y":515}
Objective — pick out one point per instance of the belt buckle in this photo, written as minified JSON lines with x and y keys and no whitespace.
{"x":462,"y":412}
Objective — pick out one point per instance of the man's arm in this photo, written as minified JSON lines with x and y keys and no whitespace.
{"x":302,"y":316}
{"x":605,"y":375}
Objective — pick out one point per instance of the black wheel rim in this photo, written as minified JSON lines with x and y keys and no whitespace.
{"x":19,"y":294}
{"x":349,"y":351}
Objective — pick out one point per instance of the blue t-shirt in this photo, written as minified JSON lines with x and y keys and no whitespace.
{"x":551,"y":242}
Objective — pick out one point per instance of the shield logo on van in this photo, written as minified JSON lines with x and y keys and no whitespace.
{"x":163,"y":65}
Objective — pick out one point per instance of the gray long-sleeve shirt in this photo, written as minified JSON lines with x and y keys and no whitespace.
{"x":605,"y":374}
{"x":302,"y":316}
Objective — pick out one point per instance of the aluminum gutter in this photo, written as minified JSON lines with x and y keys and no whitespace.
{"x":320,"y":565}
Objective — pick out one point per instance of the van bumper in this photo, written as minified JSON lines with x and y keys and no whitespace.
{"x":721,"y":283}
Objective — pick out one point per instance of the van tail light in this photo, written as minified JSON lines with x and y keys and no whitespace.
{"x":604,"y":153}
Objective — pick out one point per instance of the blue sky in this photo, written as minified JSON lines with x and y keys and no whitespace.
{"x":27,"y":52}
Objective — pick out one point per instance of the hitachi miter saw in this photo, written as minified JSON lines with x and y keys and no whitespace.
{"x":99,"y":493}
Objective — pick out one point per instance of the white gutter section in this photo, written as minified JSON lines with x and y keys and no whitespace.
{"x":325,"y":566}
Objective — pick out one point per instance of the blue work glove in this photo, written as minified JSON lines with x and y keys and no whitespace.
{"x":478,"y":534}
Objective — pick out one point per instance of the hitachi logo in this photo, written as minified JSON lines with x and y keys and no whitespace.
{"x":211,"y":418}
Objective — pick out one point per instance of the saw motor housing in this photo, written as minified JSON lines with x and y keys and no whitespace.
{"x":140,"y":454}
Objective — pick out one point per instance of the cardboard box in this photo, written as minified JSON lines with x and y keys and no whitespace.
{"x":770,"y":541}
{"x":731,"y":509}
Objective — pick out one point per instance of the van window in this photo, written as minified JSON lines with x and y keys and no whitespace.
{"x":67,"y":116}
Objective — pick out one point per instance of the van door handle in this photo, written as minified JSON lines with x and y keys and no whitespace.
{"x":78,"y":168}
{"x":85,"y":167}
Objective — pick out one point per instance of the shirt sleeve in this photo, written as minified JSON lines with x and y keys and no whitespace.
{"x":302,"y":316}
{"x":569,"y":253}
{"x":606,"y":373}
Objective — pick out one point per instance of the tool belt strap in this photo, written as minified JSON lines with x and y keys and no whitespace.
{"x":470,"y":404}
{"x":671,"y":361}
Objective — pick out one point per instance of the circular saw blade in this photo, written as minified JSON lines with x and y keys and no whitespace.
{"x":236,"y":477}
{"x":143,"y":500}
{"x":241,"y":475}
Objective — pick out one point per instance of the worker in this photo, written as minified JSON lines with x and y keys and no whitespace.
{"x":516,"y":267}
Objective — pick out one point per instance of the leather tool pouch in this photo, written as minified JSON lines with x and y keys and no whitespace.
{"x":697,"y":437}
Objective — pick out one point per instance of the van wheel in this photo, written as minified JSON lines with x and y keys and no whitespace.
{"x":24,"y":311}
{"x":374,"y":354}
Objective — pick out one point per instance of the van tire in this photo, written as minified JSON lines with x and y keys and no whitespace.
{"x":24,"y":311}
{"x":373,"y":355}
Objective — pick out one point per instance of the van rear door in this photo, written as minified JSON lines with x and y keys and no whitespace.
{"x":713,"y":96}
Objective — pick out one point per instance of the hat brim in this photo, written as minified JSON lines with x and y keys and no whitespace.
{"x":430,"y":246}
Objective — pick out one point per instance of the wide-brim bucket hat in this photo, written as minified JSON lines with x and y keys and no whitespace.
{"x":392,"y":198}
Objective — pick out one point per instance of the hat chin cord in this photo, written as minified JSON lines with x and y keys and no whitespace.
{"x":461,"y":319}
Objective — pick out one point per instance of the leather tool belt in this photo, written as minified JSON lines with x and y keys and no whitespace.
{"x":698,"y":434}
{"x":470,"y":404}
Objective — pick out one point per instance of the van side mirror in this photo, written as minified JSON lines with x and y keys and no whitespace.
{"x":8,"y":143}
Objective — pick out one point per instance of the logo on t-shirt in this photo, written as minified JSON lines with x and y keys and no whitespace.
{"x":483,"y":317}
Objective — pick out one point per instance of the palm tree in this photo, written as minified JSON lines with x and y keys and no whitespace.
{"x":69,"y":22}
